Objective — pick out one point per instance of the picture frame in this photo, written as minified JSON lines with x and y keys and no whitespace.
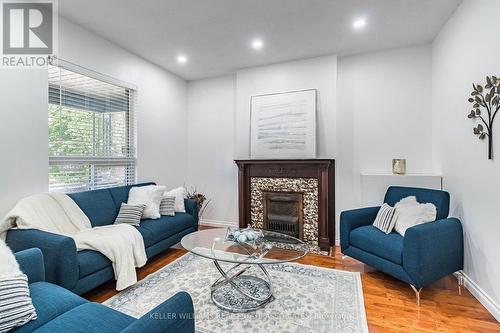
{"x":283,"y":125}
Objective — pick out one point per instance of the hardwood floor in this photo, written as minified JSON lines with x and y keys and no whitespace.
{"x":390,"y":304}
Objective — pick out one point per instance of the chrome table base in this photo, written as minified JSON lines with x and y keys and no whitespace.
{"x":237,"y":292}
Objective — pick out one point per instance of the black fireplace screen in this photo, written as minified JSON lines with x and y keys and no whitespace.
{"x":283,"y":212}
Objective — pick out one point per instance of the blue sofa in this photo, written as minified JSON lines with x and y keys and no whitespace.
{"x":82,"y":271}
{"x":60,"y":311}
{"x":425,"y":254}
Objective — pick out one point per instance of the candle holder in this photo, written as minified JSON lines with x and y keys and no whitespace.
{"x":399,"y":166}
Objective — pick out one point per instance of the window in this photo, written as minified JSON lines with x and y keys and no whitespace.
{"x":91,"y":132}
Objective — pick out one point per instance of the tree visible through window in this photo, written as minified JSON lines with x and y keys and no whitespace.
{"x":91,"y":132}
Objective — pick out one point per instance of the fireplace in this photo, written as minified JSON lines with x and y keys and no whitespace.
{"x":283,"y":212}
{"x":295,"y":197}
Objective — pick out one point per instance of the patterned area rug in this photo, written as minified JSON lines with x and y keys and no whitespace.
{"x":308,"y":298}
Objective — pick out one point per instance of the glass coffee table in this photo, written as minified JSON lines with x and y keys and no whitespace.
{"x":245,"y":285}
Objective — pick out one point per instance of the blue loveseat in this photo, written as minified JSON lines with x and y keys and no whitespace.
{"x":81,"y":271}
{"x":59,"y":310}
{"x":425,"y":254}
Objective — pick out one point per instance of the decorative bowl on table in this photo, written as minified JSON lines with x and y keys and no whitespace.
{"x":243,"y":236}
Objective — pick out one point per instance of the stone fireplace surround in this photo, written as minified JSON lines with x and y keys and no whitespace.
{"x":307,"y":186}
{"x":313,"y":178}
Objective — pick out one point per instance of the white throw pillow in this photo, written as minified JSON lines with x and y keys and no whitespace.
{"x":179,"y":193}
{"x":410,"y":213}
{"x":147,"y":195}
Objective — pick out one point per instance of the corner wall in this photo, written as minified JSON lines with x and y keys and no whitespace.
{"x":465,"y":51}
{"x":210,"y":166}
{"x":383,"y":112}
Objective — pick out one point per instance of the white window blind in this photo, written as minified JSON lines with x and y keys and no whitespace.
{"x":91,"y":132}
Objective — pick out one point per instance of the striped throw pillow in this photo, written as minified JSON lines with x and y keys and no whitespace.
{"x":16,"y":308}
{"x":386,"y":218}
{"x":167,"y":205}
{"x":130,"y":214}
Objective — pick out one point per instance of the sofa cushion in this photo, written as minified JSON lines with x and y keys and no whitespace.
{"x":98,"y":205}
{"x":147,"y":236}
{"x":167,"y":226}
{"x":370,"y":239}
{"x":89,"y":317}
{"x":90,"y":261}
{"x":50,"y":301}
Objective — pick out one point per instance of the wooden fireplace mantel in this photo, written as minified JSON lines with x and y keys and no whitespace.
{"x":321,"y":169}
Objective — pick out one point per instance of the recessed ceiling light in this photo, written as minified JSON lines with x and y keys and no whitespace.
{"x":257,"y":44}
{"x":359,"y":23}
{"x":182,"y":59}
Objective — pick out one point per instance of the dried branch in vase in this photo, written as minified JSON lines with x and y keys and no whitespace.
{"x":201,"y":200}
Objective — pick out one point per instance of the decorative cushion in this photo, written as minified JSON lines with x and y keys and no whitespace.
{"x":386,"y":218}
{"x":16,"y":307}
{"x":411,"y":213}
{"x":167,"y":206}
{"x":120,"y":193}
{"x":179,"y":193}
{"x":130,"y":214}
{"x":147,"y":195}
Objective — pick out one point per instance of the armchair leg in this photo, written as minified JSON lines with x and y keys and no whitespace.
{"x":417,"y":293}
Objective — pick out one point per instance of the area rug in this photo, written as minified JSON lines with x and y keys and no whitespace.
{"x":308,"y":298}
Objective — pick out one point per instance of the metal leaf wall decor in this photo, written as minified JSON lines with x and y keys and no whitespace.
{"x":485,"y":105}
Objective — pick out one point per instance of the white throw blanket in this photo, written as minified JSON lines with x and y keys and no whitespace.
{"x":59,"y":214}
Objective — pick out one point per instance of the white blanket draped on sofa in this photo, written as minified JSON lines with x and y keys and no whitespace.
{"x":59,"y":214}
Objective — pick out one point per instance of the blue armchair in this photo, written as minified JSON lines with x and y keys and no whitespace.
{"x":60,"y":310}
{"x":425,"y":254}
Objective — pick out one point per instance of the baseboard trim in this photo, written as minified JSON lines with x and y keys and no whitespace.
{"x":218,"y":223}
{"x":481,"y":296}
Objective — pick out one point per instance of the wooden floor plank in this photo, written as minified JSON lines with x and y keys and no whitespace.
{"x":390,"y":304}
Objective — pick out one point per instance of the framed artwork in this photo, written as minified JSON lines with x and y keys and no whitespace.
{"x":283,"y":125}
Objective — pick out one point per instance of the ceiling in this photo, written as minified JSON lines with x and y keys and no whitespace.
{"x":215,"y":35}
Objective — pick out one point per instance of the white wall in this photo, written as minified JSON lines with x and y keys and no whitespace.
{"x":316,"y":73}
{"x":23,"y":135}
{"x":161,"y":104}
{"x":211,"y":105}
{"x":383,"y":112}
{"x":161,"y":108}
{"x":465,"y":52}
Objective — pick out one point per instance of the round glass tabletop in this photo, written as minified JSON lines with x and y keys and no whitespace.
{"x":272,"y":248}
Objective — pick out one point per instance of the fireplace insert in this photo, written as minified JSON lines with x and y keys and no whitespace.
{"x":283,"y":213}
